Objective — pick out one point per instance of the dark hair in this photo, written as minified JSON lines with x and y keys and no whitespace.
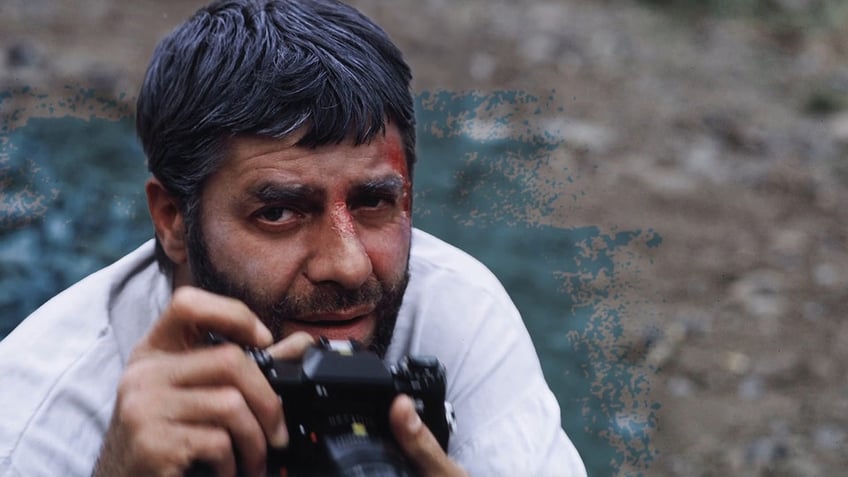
{"x":266,"y":67}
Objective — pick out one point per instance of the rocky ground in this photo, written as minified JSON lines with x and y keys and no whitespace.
{"x":724,"y":134}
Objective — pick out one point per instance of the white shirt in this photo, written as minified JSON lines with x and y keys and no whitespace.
{"x":59,"y":369}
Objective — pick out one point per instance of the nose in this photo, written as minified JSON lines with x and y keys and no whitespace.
{"x":338,"y":254}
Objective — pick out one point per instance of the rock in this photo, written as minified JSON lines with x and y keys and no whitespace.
{"x":839,"y":127}
{"x":666,"y":346}
{"x":760,"y":293}
{"x":696,"y":322}
{"x":22,"y":55}
{"x":680,"y":465}
{"x":828,"y":275}
{"x":829,"y":437}
{"x":538,"y":48}
{"x":787,"y":247}
{"x":482,"y":66}
{"x":751,"y":388}
{"x":582,"y":135}
{"x":735,"y":362}
{"x":680,"y":386}
{"x":703,"y":161}
{"x":765,"y":452}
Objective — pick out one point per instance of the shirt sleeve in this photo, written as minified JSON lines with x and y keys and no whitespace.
{"x":55,"y":404}
{"x":513,"y":418}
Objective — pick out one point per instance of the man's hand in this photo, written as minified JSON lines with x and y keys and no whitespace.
{"x":180,"y":402}
{"x":418,"y":443}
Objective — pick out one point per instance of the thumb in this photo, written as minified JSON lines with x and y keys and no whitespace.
{"x":292,"y":347}
{"x":417,"y":442}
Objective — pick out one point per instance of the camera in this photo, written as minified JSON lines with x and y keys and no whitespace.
{"x":337,"y":401}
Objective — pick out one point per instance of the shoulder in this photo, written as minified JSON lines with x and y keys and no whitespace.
{"x":431,"y":256}
{"x":451,"y":299}
{"x":62,"y":363}
{"x":454,"y":296}
{"x":455,"y":308}
{"x":439,"y":270}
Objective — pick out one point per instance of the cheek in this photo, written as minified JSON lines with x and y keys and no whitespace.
{"x":389,"y":252}
{"x":266,"y":268}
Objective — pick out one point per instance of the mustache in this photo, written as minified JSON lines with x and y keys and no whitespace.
{"x":327,"y":298}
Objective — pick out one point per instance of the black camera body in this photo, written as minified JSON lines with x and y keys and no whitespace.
{"x":336,"y":402}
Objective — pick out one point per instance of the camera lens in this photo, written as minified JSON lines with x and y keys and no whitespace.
{"x":374,"y":469}
{"x":366,"y":457}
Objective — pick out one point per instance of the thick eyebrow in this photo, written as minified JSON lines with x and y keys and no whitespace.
{"x":275,"y":193}
{"x":389,"y":185}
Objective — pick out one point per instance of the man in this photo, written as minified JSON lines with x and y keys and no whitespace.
{"x":280,"y":137}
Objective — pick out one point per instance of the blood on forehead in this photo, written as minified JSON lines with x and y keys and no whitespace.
{"x":397,"y":159}
{"x":396,"y":156}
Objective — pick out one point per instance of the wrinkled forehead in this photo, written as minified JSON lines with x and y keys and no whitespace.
{"x":389,"y":142}
{"x":253,"y":154}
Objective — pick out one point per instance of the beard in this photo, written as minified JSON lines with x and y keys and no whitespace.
{"x":385,"y":297}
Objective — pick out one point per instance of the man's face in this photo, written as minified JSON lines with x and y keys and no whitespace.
{"x":310,"y":239}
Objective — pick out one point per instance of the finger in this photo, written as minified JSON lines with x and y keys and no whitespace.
{"x":417,"y":442}
{"x":177,"y":448}
{"x":229,"y":365}
{"x":209,"y":446}
{"x":192,"y":312}
{"x":226,"y":408}
{"x":292,"y":347}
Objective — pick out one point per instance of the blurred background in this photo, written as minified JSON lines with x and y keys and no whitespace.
{"x":659,"y":184}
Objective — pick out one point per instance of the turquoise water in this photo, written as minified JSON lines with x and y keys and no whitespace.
{"x":72,"y":202}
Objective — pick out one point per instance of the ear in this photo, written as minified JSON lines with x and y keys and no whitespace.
{"x":167,"y":220}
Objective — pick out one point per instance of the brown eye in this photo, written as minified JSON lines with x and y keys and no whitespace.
{"x":376,"y":201}
{"x":372,"y":202}
{"x":276,"y":214}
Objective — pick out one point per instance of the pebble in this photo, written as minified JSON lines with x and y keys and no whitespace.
{"x":582,"y":135}
{"x":751,"y":388}
{"x":827,"y":275}
{"x":667,"y":345}
{"x":761,"y":293}
{"x":839,"y":127}
{"x":680,"y":386}
{"x":482,"y":66}
{"x":765,"y":451}
{"x":829,"y":437}
{"x":704,"y":161}
{"x":696,"y":322}
{"x":735,"y":362}
{"x":22,"y":55}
